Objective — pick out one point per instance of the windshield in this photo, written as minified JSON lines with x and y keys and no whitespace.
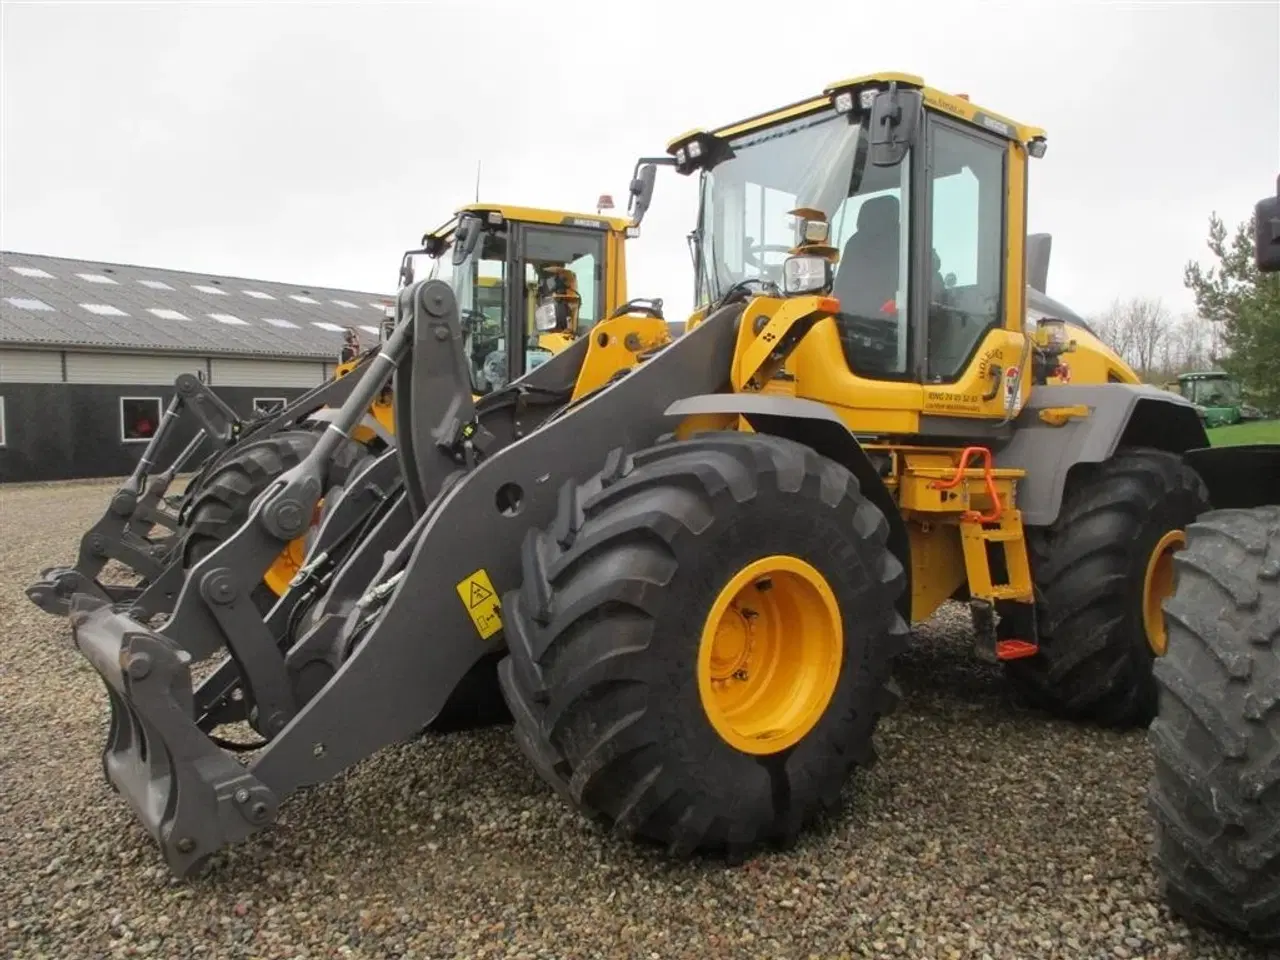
{"x":478,"y":282}
{"x":745,"y":233}
{"x":1215,"y":392}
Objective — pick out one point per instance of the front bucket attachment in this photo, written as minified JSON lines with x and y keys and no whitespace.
{"x":191,"y":795}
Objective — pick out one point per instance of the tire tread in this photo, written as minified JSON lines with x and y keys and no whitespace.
{"x":1215,"y":794}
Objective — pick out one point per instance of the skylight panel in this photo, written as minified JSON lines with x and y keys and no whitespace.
{"x":345,"y":303}
{"x":328,"y":326}
{"x":164,"y":313}
{"x":282,"y":324}
{"x":29,"y":303}
{"x":207,"y":289}
{"x":104,"y":309}
{"x":155,"y":284}
{"x":301,"y":299}
{"x":32,"y":272}
{"x":257,"y":294}
{"x":96,"y":278}
{"x":228,"y":319}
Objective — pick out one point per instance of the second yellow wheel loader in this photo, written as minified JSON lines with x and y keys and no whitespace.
{"x":158,"y":536}
{"x":693,"y":561}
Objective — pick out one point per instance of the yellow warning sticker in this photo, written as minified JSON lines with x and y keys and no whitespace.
{"x":481,"y":600}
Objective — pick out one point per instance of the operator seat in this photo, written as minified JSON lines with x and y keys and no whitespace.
{"x":866,"y":279}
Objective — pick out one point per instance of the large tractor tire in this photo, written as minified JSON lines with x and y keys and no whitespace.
{"x":221,"y":506}
{"x":1215,"y":796}
{"x":1101,"y":572}
{"x":702,"y":643}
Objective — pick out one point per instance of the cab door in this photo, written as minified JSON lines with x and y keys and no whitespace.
{"x":538,"y":246}
{"x":970,"y":277}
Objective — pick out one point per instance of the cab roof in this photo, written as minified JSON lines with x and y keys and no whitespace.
{"x":555,"y":218}
{"x":956,"y":105}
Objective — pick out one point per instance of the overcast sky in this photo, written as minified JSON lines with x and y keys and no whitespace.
{"x":313,"y":143}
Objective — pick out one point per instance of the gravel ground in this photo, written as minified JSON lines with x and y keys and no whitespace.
{"x":985,"y":832}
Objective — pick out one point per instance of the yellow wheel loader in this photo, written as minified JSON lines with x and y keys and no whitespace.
{"x":159,"y":536}
{"x":1215,"y":796}
{"x":693,"y":561}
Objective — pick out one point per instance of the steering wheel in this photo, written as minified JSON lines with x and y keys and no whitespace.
{"x":753,"y":251}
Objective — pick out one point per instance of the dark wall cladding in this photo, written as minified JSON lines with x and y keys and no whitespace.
{"x":65,"y":431}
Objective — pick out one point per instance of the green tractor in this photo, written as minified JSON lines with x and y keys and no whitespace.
{"x":1218,"y":397}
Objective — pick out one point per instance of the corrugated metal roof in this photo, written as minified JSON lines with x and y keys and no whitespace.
{"x":60,"y":303}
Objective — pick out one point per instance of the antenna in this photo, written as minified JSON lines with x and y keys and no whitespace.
{"x":478,"y":181}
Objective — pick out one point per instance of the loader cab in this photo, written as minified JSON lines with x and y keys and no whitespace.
{"x":917,"y":198}
{"x":536,"y":279}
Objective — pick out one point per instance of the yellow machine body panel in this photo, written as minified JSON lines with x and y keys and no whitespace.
{"x":1092,"y":361}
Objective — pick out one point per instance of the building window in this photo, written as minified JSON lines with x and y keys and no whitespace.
{"x":4,"y":435}
{"x":267,"y":404}
{"x":139,"y":418}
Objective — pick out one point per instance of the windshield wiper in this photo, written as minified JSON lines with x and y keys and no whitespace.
{"x":702,"y":243}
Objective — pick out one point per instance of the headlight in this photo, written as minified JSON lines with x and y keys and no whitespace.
{"x":544,"y":317}
{"x":805,"y":275}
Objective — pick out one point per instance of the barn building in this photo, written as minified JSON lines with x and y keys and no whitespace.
{"x":89,"y":352}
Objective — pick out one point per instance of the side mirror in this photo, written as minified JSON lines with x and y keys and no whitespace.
{"x":465,"y":239}
{"x":1266,"y":233}
{"x":641,"y":192}
{"x":895,"y":117}
{"x":433,"y":246}
{"x":406,"y":268}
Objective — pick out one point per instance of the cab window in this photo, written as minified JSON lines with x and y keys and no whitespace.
{"x":480,"y":284}
{"x":966,"y":276}
{"x":580,"y":252}
{"x":871,"y":229}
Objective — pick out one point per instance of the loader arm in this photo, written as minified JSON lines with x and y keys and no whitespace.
{"x":351,"y":648}
{"x":359,"y":677}
{"x":393,"y":683}
{"x":124,"y":532}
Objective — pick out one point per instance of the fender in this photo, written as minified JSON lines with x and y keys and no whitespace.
{"x":1239,"y":477}
{"x":1114,"y":415}
{"x":817,"y":427}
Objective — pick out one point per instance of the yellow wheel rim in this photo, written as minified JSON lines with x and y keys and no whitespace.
{"x":769,"y":659}
{"x":1157,"y":587}
{"x":291,"y":558}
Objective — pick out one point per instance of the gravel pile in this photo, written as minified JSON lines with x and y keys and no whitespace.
{"x":985,"y":832}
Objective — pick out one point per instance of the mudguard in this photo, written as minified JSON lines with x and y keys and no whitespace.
{"x":1239,"y":477}
{"x":1114,"y":415}
{"x":816,"y":426}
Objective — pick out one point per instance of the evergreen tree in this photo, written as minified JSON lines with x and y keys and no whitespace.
{"x":1247,"y":303}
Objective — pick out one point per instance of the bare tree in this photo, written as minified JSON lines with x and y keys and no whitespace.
{"x":1196,"y":338}
{"x":1138,"y":329}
